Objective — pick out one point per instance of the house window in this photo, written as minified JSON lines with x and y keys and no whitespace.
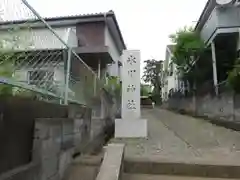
{"x":38,"y":77}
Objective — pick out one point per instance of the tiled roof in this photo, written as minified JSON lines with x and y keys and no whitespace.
{"x":87,"y":15}
{"x":77,"y":15}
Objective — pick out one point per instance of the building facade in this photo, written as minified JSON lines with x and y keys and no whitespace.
{"x":171,"y":81}
{"x":219,"y":27}
{"x":95,"y":39}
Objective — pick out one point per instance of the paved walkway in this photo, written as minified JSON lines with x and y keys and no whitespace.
{"x":174,"y":137}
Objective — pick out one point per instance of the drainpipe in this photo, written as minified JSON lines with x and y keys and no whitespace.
{"x":105,"y":20}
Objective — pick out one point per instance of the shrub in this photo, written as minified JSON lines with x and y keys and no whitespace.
{"x":234,"y":77}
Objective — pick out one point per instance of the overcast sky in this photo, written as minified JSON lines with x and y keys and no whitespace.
{"x":145,"y":24}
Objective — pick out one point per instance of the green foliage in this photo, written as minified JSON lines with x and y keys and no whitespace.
{"x":6,"y":70}
{"x":187,"y":43}
{"x":114,"y":86}
{"x":188,"y":47}
{"x":234,"y":77}
{"x":153,"y":72}
{"x":9,"y":57}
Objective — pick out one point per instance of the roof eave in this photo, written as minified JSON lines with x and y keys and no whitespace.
{"x":119,"y":31}
{"x":78,"y":19}
{"x":202,"y":19}
{"x":51,"y":19}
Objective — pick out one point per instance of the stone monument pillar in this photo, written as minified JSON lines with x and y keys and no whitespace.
{"x":131,"y":125}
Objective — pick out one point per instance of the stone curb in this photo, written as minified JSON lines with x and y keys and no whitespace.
{"x":112,"y":165}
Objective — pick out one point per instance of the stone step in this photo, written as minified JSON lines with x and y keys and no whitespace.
{"x":84,"y":167}
{"x":89,"y":160}
{"x":182,"y":169}
{"x":164,"y":177}
{"x":82,"y":172}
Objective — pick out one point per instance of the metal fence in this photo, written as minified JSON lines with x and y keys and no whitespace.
{"x":37,"y":60}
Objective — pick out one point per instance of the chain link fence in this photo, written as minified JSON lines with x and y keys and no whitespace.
{"x":38,"y":61}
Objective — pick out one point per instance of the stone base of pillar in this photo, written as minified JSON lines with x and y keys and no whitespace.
{"x":126,"y":128}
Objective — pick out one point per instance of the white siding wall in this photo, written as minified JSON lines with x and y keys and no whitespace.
{"x":113,"y":70}
{"x":72,"y":39}
{"x":170,"y":82}
{"x":40,"y":38}
{"x":59,"y":74}
{"x":120,"y":72}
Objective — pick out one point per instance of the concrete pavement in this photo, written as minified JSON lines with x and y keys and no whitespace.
{"x":178,"y":147}
{"x":179,"y":138}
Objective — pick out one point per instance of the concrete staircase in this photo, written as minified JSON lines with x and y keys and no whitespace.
{"x":181,"y":169}
{"x":112,"y":166}
{"x":163,"y":177}
{"x":136,"y":169}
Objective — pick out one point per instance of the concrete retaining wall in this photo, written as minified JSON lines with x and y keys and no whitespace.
{"x":222,"y":109}
{"x":216,"y":107}
{"x":57,"y":139}
{"x":236,"y":104}
{"x":186,"y":104}
{"x":53,"y":146}
{"x":17,"y":116}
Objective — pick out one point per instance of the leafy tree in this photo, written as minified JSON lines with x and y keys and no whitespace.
{"x":153,"y":72}
{"x":188,"y":47}
{"x":234,"y":77}
{"x":188,"y":43}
